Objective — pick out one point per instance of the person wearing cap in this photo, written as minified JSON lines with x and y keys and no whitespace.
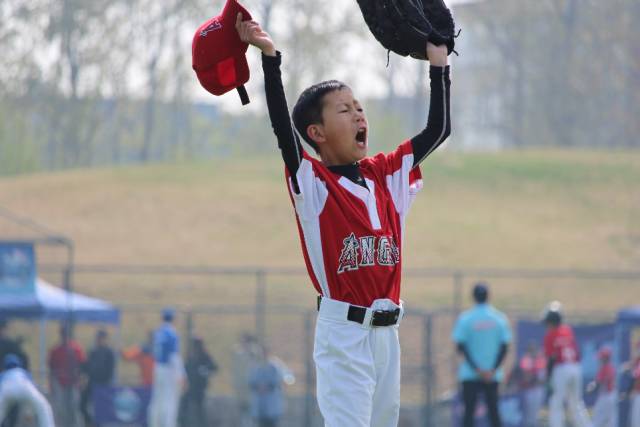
{"x":11,"y":346}
{"x":168,"y":374}
{"x":266,"y":382}
{"x":564,"y":372}
{"x":482,"y":336}
{"x":99,"y":370}
{"x":17,"y":389}
{"x":65,"y":363}
{"x":605,"y":410}
{"x":246,"y":355}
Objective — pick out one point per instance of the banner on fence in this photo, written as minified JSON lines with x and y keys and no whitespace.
{"x":121,"y":405}
{"x":17,"y":268}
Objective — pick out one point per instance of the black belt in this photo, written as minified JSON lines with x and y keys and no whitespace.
{"x":378,"y":317}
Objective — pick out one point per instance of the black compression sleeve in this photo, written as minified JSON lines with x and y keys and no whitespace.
{"x":439,"y":121}
{"x":550,"y":363}
{"x":288,"y":140}
{"x":463,"y":349}
{"x":501,"y":354}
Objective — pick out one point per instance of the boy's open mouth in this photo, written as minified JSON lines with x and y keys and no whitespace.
{"x":361,"y":137}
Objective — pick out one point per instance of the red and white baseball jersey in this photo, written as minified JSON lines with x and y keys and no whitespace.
{"x":533,"y":369}
{"x":606,"y":377}
{"x":560,"y":343}
{"x":352,"y":236}
{"x":635,"y":373}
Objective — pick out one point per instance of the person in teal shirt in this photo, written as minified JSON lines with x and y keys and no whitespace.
{"x":482,"y":336}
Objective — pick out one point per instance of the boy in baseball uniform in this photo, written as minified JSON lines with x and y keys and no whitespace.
{"x":605,"y":410}
{"x":565,"y":372}
{"x":17,"y":388}
{"x":350,"y":211}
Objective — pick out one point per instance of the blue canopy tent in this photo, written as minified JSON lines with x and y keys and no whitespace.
{"x":52,"y":303}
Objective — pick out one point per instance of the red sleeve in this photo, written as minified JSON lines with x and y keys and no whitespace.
{"x":387,"y":164}
{"x":548,"y":344}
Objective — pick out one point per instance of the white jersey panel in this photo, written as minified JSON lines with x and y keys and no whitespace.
{"x":313,"y":192}
{"x":309,"y":203}
{"x":367,"y":196}
{"x":403,"y":192}
{"x":313,"y":243}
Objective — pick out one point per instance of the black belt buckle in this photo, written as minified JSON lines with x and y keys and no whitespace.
{"x":385,"y":318}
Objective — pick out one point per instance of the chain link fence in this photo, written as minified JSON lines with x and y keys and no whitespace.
{"x":278,"y":306}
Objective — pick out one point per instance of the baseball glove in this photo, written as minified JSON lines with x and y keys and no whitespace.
{"x":405,"y":26}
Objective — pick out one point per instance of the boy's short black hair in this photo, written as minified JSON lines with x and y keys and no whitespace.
{"x":308,"y":108}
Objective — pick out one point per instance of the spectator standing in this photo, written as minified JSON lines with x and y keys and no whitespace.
{"x":142,"y":355}
{"x":200,"y":366}
{"x":246,"y":356}
{"x":65,"y":363}
{"x":17,"y":389}
{"x":99,"y":370}
{"x":564,"y":372}
{"x":168,"y":374}
{"x":482,"y":336}
{"x":532,"y":367}
{"x":266,"y":381}
{"x":605,"y":411}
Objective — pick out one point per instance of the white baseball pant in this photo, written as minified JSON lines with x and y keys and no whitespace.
{"x":635,"y":410}
{"x":533,"y":401}
{"x":357,"y":367}
{"x":19,"y":390}
{"x":566,"y":383}
{"x":165,"y":393}
{"x":605,"y":411}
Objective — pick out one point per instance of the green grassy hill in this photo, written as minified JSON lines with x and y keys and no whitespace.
{"x":533,"y":209}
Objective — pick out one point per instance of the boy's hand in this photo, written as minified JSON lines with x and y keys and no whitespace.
{"x":437,"y":55}
{"x":250,"y":32}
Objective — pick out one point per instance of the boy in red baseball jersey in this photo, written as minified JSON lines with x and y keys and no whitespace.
{"x":564,"y":370}
{"x":605,"y":410}
{"x":351,"y":210}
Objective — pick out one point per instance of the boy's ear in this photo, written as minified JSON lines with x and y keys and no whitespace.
{"x":316,"y":133}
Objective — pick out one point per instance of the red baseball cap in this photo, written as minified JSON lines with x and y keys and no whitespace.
{"x":604,"y":353}
{"x":219,"y":55}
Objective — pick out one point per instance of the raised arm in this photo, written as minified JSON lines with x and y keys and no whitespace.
{"x":439,"y":121}
{"x":288,"y":141}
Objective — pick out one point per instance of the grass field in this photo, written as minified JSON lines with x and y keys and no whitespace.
{"x":515,"y":209}
{"x":537,"y":209}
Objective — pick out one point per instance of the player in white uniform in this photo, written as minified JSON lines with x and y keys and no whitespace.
{"x":168,"y":374}
{"x":16,"y":388}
